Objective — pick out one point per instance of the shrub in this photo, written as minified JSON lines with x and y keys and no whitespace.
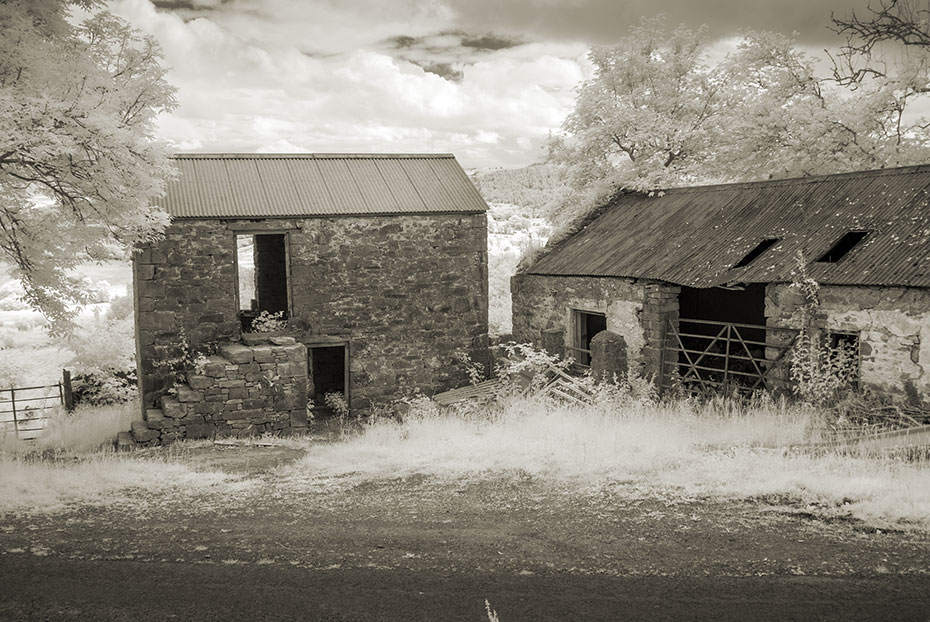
{"x":267,"y":322}
{"x":818,"y":371}
{"x":105,"y":363}
{"x":120,"y":308}
{"x":104,"y":387}
{"x":11,"y":373}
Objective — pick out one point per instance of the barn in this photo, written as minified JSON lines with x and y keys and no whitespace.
{"x":372,"y":269}
{"x":697,"y":280}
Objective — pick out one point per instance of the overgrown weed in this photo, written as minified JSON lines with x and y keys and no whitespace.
{"x":86,"y":430}
{"x":719,"y":447}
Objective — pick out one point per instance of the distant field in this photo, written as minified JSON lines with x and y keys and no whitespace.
{"x":28,"y":355}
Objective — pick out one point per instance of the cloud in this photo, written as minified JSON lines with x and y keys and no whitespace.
{"x":604,"y":21}
{"x":484,"y":79}
{"x":490,"y":100}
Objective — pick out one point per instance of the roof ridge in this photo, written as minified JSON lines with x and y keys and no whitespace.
{"x":307,"y":156}
{"x":876,"y":172}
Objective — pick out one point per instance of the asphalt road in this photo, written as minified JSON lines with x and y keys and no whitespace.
{"x":421,"y":548}
{"x":48,"y":588}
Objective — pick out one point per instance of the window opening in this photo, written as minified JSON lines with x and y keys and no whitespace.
{"x":262,"y":268}
{"x":760,"y":248}
{"x":587,"y":324}
{"x":842,"y":246}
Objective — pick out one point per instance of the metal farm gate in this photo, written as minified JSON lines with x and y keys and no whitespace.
{"x":706,"y":356}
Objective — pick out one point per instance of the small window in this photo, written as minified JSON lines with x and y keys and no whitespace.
{"x":842,"y":247}
{"x":760,"y":248}
{"x":261,"y":261}
{"x":586,"y":325}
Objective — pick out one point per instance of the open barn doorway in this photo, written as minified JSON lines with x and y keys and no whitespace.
{"x":721,"y":340}
{"x":744,"y":305}
{"x":329,"y":379}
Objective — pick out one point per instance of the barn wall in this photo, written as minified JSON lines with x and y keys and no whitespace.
{"x":407,"y":292}
{"x":545,"y":303}
{"x":893,"y":325}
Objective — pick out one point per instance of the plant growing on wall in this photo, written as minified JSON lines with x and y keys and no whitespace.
{"x":819,"y":371}
{"x":266,"y":322}
{"x":187,"y":359}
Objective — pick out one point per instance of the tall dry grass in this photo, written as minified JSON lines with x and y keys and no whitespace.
{"x":74,"y":462}
{"x":720,"y":449}
{"x":87,"y":429}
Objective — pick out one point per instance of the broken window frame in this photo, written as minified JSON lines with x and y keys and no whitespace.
{"x":246,"y":316}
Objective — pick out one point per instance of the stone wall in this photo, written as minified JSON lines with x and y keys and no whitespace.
{"x":893,"y":324}
{"x":659,"y":306}
{"x":406,"y":292}
{"x":543,"y":306}
{"x":242,"y":391}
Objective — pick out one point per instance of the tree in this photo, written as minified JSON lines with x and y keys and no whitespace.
{"x":79,"y":165}
{"x":897,"y":21}
{"x":655,"y":114}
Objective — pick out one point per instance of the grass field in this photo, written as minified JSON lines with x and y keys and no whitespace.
{"x":680,"y":450}
{"x":28,"y":354}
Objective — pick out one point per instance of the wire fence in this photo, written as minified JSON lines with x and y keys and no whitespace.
{"x":26,"y":411}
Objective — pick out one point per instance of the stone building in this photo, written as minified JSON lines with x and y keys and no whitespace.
{"x":696,"y":280}
{"x":378,"y":264}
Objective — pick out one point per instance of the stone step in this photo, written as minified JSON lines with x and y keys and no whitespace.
{"x":154,"y":414}
{"x":141,"y":432}
{"x":124,"y":442}
{"x":236,"y":353}
{"x":171,"y":407}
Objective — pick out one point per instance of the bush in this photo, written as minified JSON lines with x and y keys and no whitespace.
{"x":11,"y":373}
{"x":105,"y":363}
{"x":104,"y":387}
{"x":120,"y":308}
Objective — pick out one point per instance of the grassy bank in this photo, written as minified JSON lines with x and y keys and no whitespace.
{"x":633,"y":445}
{"x":720,"y":449}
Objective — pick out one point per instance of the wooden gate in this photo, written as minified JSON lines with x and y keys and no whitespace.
{"x":704,"y":356}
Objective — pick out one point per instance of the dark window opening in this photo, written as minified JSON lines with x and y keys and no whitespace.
{"x":262,"y":269}
{"x":842,"y":247}
{"x":760,"y":248}
{"x":328,"y":375}
{"x":586,"y":325}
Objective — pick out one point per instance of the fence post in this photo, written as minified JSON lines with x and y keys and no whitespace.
{"x":66,"y":385}
{"x":13,"y":404}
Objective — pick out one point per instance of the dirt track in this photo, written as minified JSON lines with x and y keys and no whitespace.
{"x":418,"y":549}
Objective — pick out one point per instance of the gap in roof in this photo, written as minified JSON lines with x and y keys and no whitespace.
{"x":760,"y":248}
{"x":843,"y":246}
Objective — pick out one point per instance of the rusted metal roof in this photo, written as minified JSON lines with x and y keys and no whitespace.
{"x":239,"y":185}
{"x":694,"y":236}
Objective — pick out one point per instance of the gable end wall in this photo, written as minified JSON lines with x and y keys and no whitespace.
{"x":407,"y":292}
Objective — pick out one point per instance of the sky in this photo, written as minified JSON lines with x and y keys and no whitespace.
{"x":486,"y":80}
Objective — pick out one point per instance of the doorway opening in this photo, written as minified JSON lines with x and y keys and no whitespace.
{"x":586,"y":324}
{"x":329,"y":379}
{"x":721,"y":338}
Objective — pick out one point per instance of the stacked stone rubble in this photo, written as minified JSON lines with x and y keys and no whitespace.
{"x":242,"y":391}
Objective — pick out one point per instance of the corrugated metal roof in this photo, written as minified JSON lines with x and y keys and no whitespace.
{"x":240,"y":185}
{"x":693,"y":236}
